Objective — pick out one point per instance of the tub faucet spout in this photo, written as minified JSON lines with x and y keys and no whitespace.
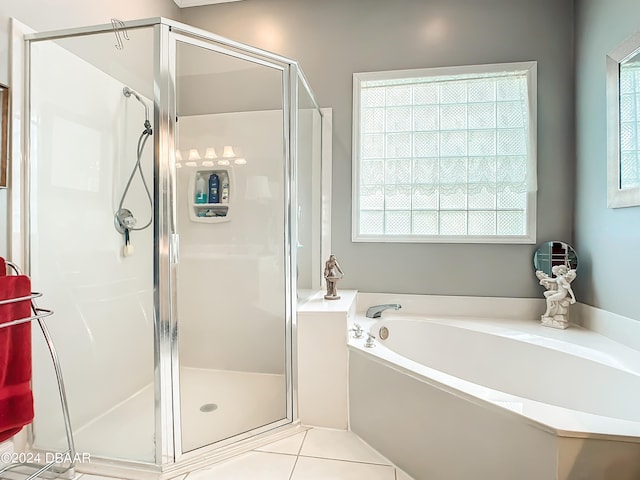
{"x":376,"y":310}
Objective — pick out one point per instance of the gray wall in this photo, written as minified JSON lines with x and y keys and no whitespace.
{"x":607,"y":240}
{"x":44,"y":15}
{"x":332,"y":39}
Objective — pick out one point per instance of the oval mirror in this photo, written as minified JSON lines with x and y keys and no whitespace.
{"x":550,"y":254}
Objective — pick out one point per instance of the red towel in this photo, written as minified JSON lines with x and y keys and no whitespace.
{"x":16,"y":399}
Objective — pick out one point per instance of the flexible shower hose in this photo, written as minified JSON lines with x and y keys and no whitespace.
{"x":141,"y":143}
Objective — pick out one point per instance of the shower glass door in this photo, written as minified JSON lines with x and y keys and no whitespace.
{"x":233,"y":270}
{"x":85,"y":163}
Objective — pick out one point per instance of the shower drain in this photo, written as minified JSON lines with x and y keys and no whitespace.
{"x":208,"y":407}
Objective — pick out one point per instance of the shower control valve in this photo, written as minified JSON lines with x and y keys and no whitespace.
{"x":124,"y":220}
{"x":370,"y":341}
{"x":357,"y":330}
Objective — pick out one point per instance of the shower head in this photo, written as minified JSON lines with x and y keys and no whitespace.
{"x":127,"y":93}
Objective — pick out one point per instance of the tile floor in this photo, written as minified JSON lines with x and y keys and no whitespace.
{"x":316,"y":454}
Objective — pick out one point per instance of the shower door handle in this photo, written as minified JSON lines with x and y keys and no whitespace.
{"x":175,"y":248}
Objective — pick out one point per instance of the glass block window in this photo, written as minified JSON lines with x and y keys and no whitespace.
{"x":445,"y":155}
{"x":629,"y":125}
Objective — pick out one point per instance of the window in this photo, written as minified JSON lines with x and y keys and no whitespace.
{"x":629,"y":125}
{"x":445,"y":154}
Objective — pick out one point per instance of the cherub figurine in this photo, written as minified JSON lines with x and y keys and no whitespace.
{"x":559,"y":295}
{"x":332,"y":273}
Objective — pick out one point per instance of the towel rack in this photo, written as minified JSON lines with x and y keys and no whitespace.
{"x":47,"y":469}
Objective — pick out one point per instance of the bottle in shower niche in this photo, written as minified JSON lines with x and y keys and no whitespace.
{"x":201,"y":189}
{"x":224,"y":187}
{"x":214,"y":186}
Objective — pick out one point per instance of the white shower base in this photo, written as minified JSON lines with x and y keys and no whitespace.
{"x":243,"y":401}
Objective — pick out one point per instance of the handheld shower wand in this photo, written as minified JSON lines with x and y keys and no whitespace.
{"x":127,"y":93}
{"x":125,"y":222}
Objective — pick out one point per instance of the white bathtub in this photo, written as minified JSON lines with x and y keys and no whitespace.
{"x":453,"y":398}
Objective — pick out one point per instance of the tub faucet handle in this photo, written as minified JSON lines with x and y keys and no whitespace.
{"x":370,"y":341}
{"x":357,"y":330}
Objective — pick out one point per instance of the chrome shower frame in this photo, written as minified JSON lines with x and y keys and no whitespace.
{"x":169,"y":458}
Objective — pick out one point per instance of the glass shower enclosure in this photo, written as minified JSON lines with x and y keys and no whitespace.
{"x":172,"y":219}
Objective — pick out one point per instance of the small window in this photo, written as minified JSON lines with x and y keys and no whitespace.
{"x":445,"y":154}
{"x":629,"y":125}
